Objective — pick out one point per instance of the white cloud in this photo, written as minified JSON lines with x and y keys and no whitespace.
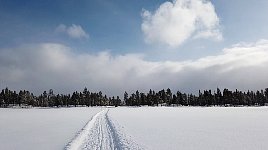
{"x":175,"y":22}
{"x":51,"y":65}
{"x":73,"y":31}
{"x":217,"y":36}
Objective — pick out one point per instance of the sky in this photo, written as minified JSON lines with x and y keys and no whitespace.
{"x":115,"y":45}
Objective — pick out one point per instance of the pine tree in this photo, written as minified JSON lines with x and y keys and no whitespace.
{"x":126,"y":99}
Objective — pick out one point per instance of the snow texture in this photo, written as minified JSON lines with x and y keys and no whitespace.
{"x":100,"y":134}
{"x":195,"y":128}
{"x":41,"y":129}
{"x":123,"y":128}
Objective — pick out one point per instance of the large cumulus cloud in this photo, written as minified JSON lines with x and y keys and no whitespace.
{"x":176,"y":21}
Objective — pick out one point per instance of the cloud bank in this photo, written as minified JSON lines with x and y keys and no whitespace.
{"x":50,"y":65}
{"x":73,"y":31}
{"x":175,"y":22}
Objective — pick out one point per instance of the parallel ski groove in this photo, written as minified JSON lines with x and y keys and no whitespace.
{"x":100,"y":134}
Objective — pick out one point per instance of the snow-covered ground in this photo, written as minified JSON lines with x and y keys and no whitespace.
{"x":42,"y":129}
{"x":153,"y":128}
{"x":102,"y":134}
{"x":195,"y":128}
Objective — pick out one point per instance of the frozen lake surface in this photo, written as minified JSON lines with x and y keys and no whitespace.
{"x":41,"y":129}
{"x":153,"y":128}
{"x":195,"y":128}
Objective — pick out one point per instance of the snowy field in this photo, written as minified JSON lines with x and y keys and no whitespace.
{"x":152,"y":128}
{"x":41,"y":129}
{"x":195,"y":128}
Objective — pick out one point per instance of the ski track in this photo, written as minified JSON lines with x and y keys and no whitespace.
{"x":101,"y":134}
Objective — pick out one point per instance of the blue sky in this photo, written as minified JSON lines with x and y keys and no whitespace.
{"x":115,"y":27}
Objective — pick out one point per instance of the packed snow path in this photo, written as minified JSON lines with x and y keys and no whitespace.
{"x":100,"y":134}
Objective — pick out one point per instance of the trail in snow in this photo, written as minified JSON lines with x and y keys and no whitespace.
{"x":101,"y":134}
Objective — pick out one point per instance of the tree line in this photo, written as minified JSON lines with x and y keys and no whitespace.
{"x":205,"y":98}
{"x":49,"y":99}
{"x":163,"y":97}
